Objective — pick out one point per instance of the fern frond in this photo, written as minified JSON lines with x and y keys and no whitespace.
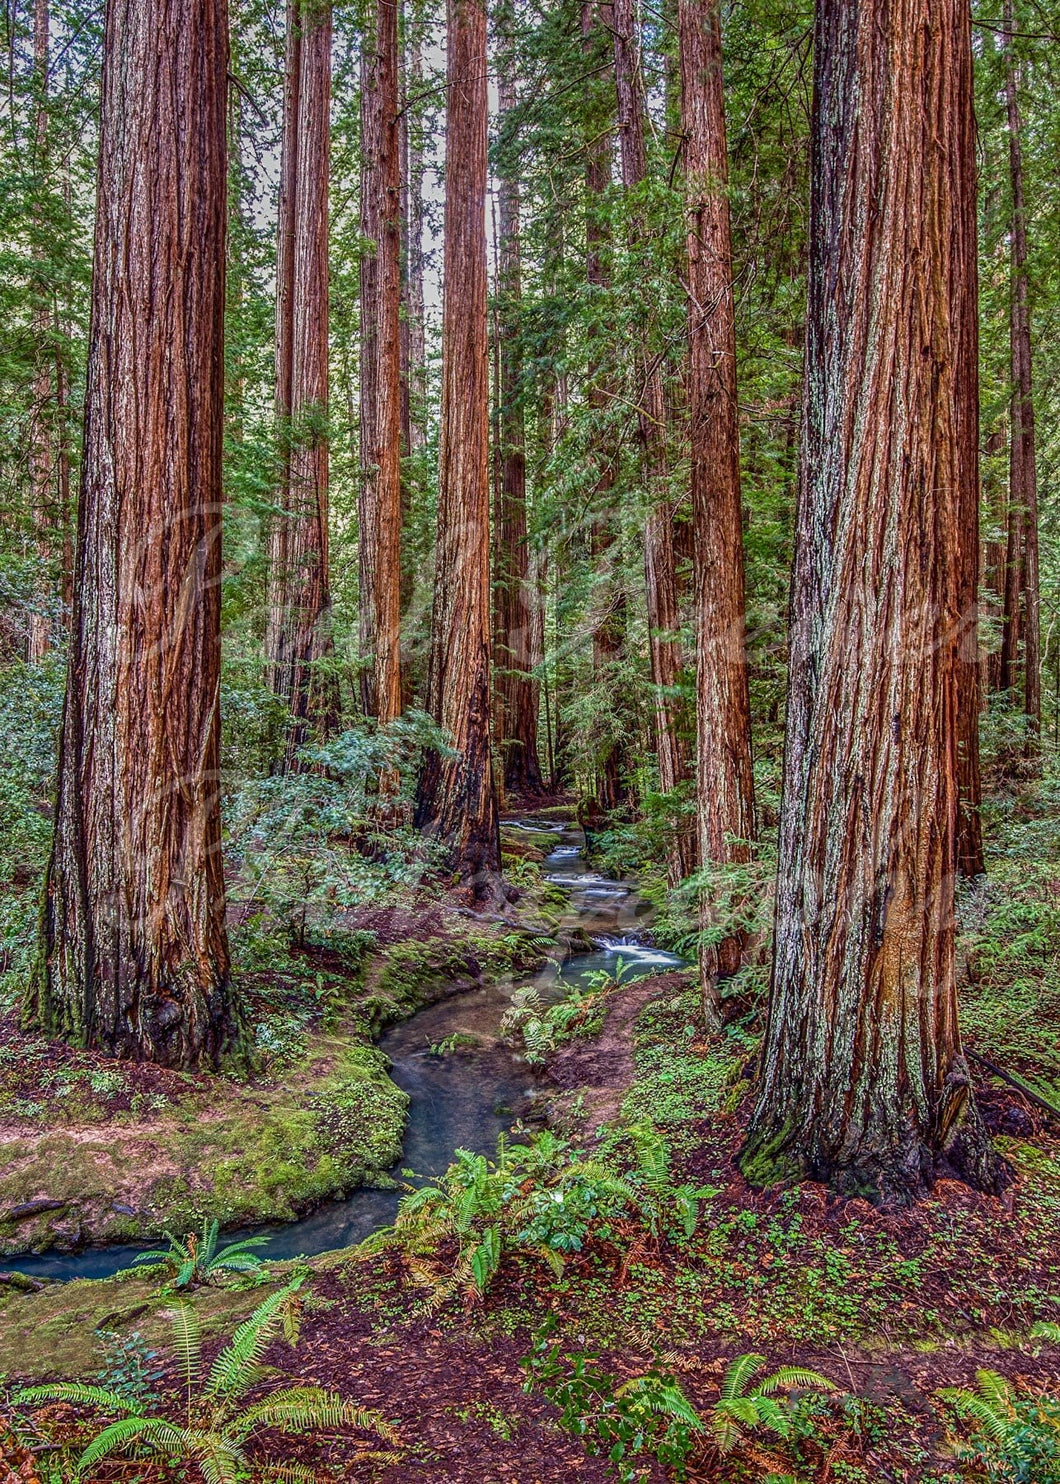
{"x":187,"y":1337}
{"x":740,"y":1374}
{"x":299,"y":1408}
{"x":663,"y":1399}
{"x":130,"y":1432}
{"x":976,"y":1409}
{"x":77,"y":1394}
{"x":793,"y":1378}
{"x":234,"y":1370}
{"x":219,"y":1460}
{"x":1044,"y":1330}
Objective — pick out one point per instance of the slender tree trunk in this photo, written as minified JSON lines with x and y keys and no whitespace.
{"x":964,"y":289}
{"x":416,"y":312}
{"x":664,"y":618}
{"x":1022,"y":565}
{"x":134,"y":955}
{"x":457,"y":801}
{"x":379,"y":506}
{"x":517,"y":692}
{"x":725,"y":784}
{"x":609,"y":603}
{"x":298,"y":634}
{"x":864,"y":1083}
{"x":41,"y":461}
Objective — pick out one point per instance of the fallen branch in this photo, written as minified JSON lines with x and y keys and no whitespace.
{"x":1018,"y":1083}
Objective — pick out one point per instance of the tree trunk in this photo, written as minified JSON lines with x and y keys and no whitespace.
{"x":297,"y":636}
{"x":40,"y":623}
{"x":664,"y":618}
{"x":613,"y":786}
{"x":415,"y":308}
{"x":517,"y":692}
{"x":864,"y":1083}
{"x":457,"y":801}
{"x":725,"y":784}
{"x":134,"y":954}
{"x":379,"y":505}
{"x":964,"y":288}
{"x":1022,"y":565}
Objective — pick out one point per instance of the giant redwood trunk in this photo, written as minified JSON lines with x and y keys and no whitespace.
{"x":864,"y":1083}
{"x":379,"y":505}
{"x":457,"y":800}
{"x":297,"y":634}
{"x":41,"y":460}
{"x":725,"y":783}
{"x":664,"y":618}
{"x":516,"y":602}
{"x":134,"y":955}
{"x":1021,"y":564}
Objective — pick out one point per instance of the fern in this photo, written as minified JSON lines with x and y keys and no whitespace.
{"x":739,"y":1410}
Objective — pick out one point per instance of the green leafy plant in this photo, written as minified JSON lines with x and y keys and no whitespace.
{"x":217,"y":1423}
{"x":740,"y":1409}
{"x":1012,"y":1434}
{"x":194,"y":1261}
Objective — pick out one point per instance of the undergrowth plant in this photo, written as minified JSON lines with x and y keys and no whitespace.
{"x":216,"y":1422}
{"x":196,"y":1261}
{"x":1009,"y":1433}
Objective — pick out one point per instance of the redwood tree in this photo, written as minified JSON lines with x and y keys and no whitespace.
{"x":457,"y":800}
{"x":134,"y":955}
{"x":863,"y":1079}
{"x":723,"y":709}
{"x":379,"y":505}
{"x":515,"y":601}
{"x":297,"y":635}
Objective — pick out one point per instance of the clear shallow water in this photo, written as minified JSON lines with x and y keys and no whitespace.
{"x":463,"y":1100}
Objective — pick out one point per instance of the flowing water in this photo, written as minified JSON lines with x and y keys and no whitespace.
{"x":462,"y":1100}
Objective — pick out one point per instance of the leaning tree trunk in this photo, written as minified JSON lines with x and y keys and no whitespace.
{"x":664,"y":619}
{"x":134,"y":955}
{"x":457,"y":799}
{"x":379,"y":505}
{"x":725,"y":784}
{"x":1023,"y":477}
{"x":864,"y":1083}
{"x":297,"y":634}
{"x":517,"y":691}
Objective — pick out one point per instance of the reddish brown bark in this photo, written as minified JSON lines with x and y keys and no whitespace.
{"x":664,"y":618}
{"x":516,"y":691}
{"x":725,"y":784}
{"x":379,"y":506}
{"x":864,"y":1083}
{"x":613,"y":788}
{"x":457,"y":800}
{"x":297,"y":635}
{"x":1022,"y":554}
{"x":134,"y":954}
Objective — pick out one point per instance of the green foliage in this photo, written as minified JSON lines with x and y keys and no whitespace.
{"x":217,"y":1422}
{"x":196,"y":1260}
{"x":742,"y":1408}
{"x":1012,"y":1434}
{"x":541,"y":1027}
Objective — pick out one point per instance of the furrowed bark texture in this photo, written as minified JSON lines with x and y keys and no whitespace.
{"x":457,"y":800}
{"x":516,"y":692}
{"x":609,"y":607}
{"x":664,"y":619}
{"x":379,"y":505}
{"x":134,"y":954}
{"x":1023,"y":475}
{"x":725,"y":784}
{"x":863,"y":1079}
{"x":964,"y":287}
{"x":298,"y":635}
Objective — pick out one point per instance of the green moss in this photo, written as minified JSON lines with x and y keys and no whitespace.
{"x":767,"y":1161}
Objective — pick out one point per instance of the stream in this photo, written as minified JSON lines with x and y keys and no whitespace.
{"x":462,"y":1100}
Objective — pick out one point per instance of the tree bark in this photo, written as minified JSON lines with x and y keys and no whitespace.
{"x":457,"y":799}
{"x":1022,"y":556}
{"x":725,"y":783}
{"x":379,"y":505}
{"x":864,"y":1083}
{"x":134,"y":955}
{"x":516,"y":691}
{"x":664,"y":620}
{"x":298,"y":636}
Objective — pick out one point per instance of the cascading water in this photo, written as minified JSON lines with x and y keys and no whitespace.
{"x":464,"y":1100}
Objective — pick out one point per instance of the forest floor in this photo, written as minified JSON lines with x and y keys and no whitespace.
{"x":890,"y":1308}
